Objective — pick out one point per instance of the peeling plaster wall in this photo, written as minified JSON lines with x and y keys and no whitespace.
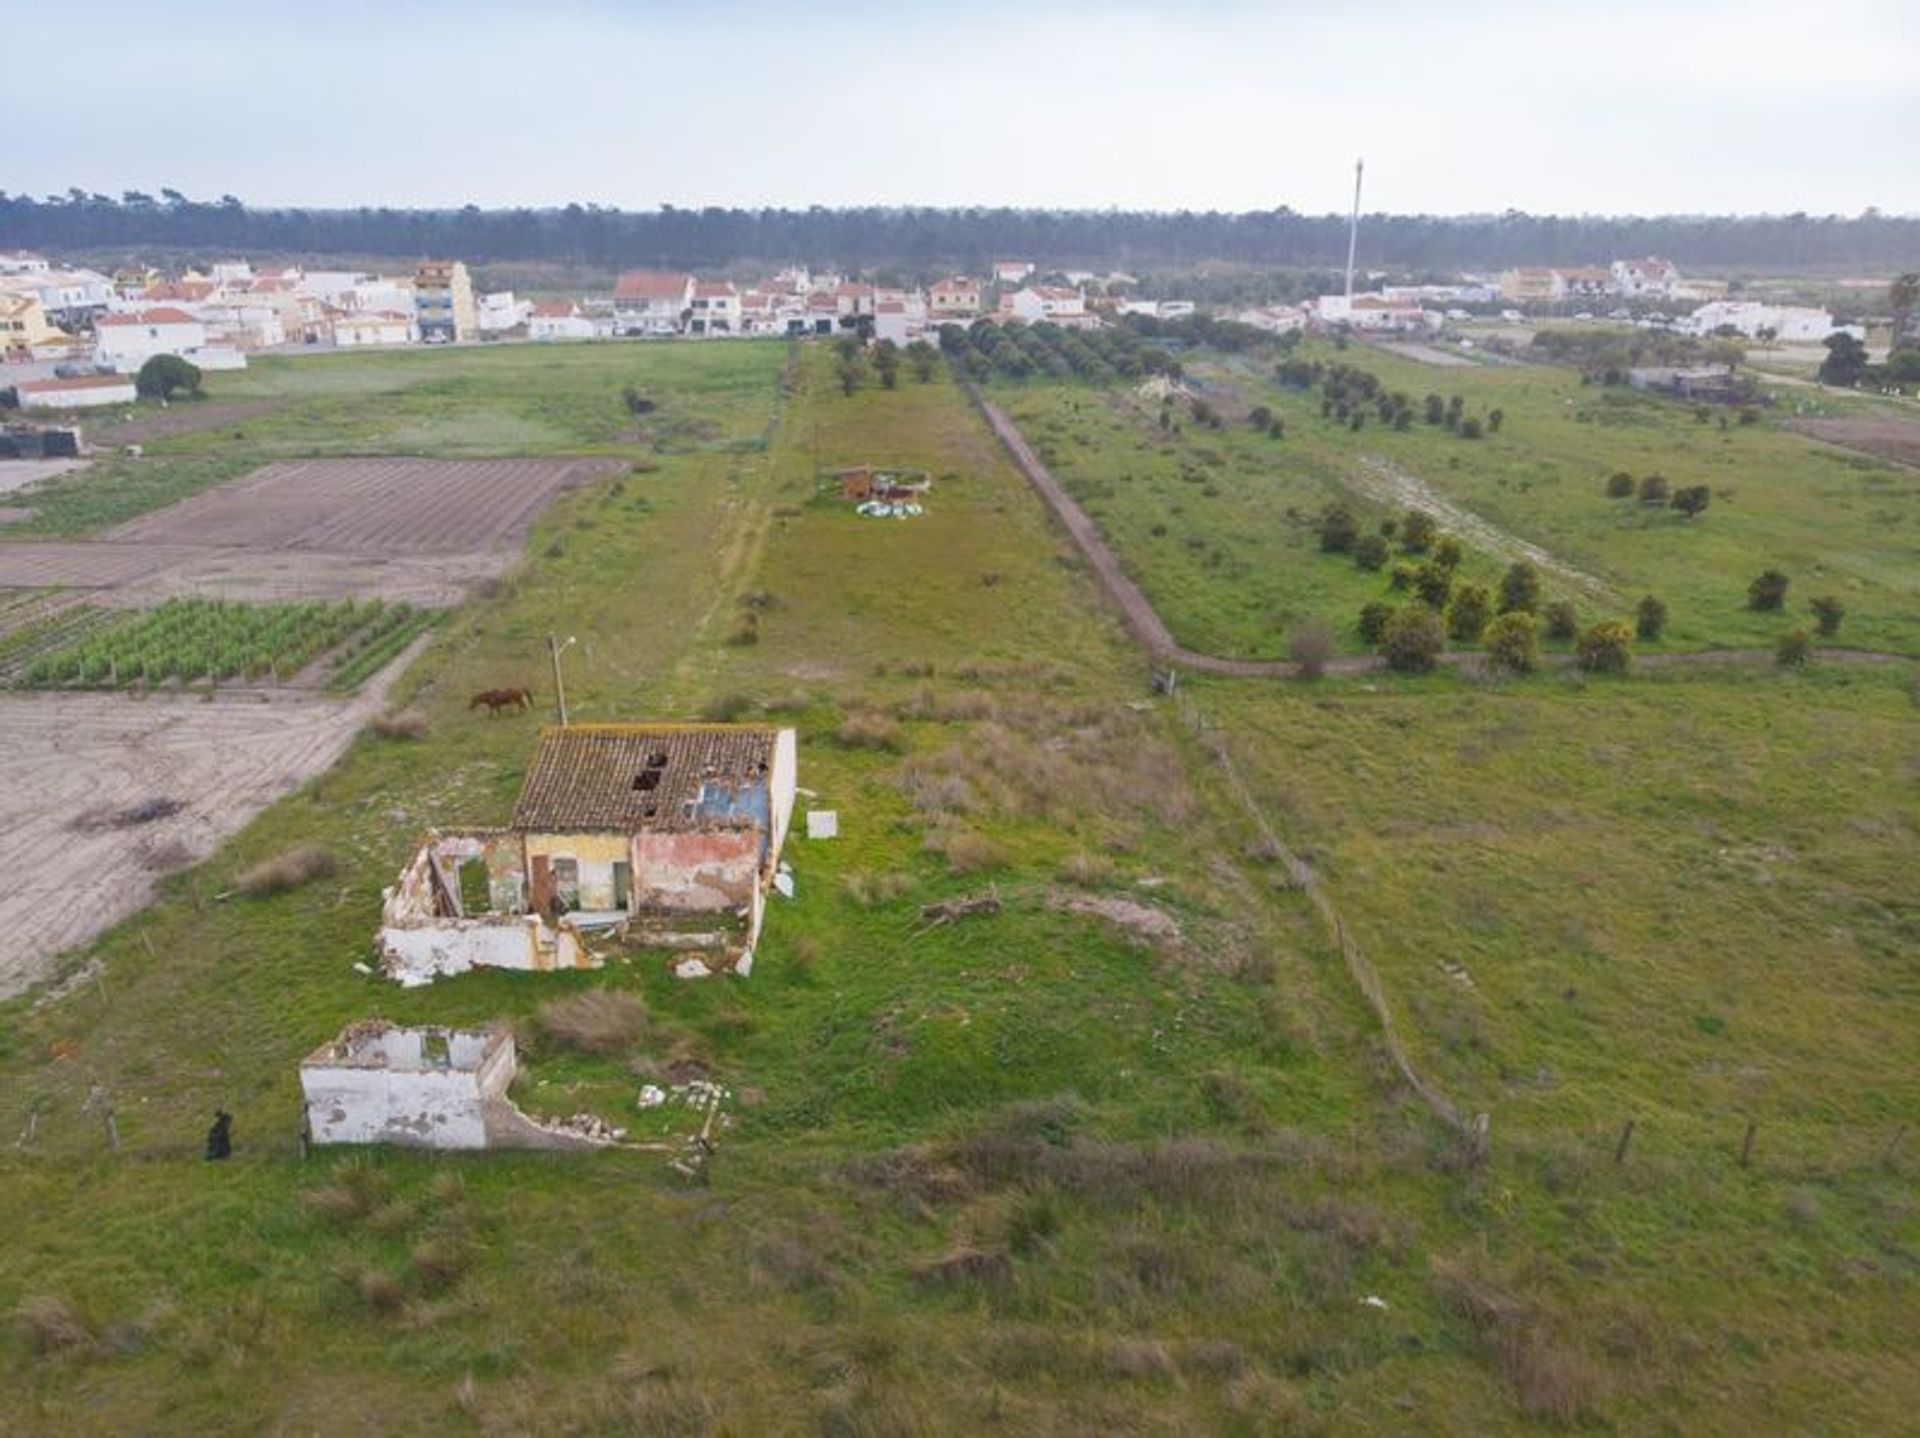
{"x":781,"y":784}
{"x":696,"y":873}
{"x":424,"y":950}
{"x":397,"y":1098}
{"x":596,"y":854}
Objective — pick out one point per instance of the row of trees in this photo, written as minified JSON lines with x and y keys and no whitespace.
{"x":874,"y":235}
{"x":1100,"y":356}
{"x":1652,"y":490}
{"x":1349,"y":394}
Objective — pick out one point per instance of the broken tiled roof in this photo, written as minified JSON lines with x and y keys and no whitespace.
{"x":629,"y":777}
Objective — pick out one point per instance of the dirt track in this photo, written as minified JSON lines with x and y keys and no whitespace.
{"x":1897,"y":440}
{"x":1158,"y":640}
{"x":74,"y":764}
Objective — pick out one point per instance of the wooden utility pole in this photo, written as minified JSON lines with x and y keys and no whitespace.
{"x":554,"y":646}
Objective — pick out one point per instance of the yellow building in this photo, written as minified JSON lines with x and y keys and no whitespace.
{"x":23,"y":323}
{"x":443,"y":302}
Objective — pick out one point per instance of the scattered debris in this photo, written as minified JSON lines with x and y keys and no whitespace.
{"x":1456,"y":972}
{"x":932,"y":916}
{"x":148,"y":811}
{"x":783,"y":883}
{"x":1373,"y":1300}
{"x":823,"y":823}
{"x":1140,"y":921}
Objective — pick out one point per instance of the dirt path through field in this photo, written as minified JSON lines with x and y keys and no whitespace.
{"x":1151,"y":631}
{"x":1386,"y":483}
{"x":102,"y":794}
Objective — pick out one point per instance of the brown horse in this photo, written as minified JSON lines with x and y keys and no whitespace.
{"x":498,"y":699}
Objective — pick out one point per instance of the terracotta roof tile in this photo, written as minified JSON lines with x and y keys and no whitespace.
{"x":629,"y":777}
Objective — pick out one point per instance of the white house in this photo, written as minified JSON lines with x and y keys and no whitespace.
{"x":1274,"y":319}
{"x":22,"y":262}
{"x":500,"y":312}
{"x":893,"y":321}
{"x":954,"y":298}
{"x":1157,"y":309}
{"x":71,"y":295}
{"x":93,"y":391}
{"x":1046,"y":302}
{"x":374,"y":327}
{"x":651,"y":302}
{"x":559,"y":320}
{"x":714,"y":309}
{"x":1012,"y":272}
{"x":1375,"y":313}
{"x":1650,"y":278}
{"x":1789,"y":323}
{"x":128,"y":341}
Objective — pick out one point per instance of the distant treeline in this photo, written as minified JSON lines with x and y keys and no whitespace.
{"x":926,"y":239}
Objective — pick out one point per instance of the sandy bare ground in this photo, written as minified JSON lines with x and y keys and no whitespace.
{"x":1386,"y":483}
{"x":19,"y":473}
{"x":184,"y":418}
{"x":74,"y":768}
{"x":1424,"y":354}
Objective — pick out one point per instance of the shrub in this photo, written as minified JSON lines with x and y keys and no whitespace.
{"x":1417,"y":532}
{"x":1791,"y":649}
{"x":1337,"y":529}
{"x":1311,"y":646}
{"x":164,"y":376}
{"x":1520,"y":589}
{"x":1768,"y":591}
{"x":380,"y":1291}
{"x":745,"y":631}
{"x":1513,"y":642}
{"x":1619,"y":485}
{"x":1692,"y":500}
{"x":1447,"y":552}
{"x":52,"y":1324}
{"x":870,"y":731}
{"x":289,"y":870}
{"x":1470,"y":428}
{"x":1606,"y":648}
{"x":1433,"y":582}
{"x":1827,"y":614}
{"x":1650,"y":618}
{"x":408,"y":724}
{"x":1373,"y":621}
{"x":1563,"y":622}
{"x":594,"y":1021}
{"x":968,"y":851}
{"x":1413,"y":639}
{"x":1653,"y":490}
{"x":1468,"y":613}
{"x":1401,"y":576}
{"x":1370,"y":552}
{"x":725,"y":708}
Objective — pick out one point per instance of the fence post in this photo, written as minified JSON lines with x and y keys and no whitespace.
{"x":1746,"y":1144}
{"x":1626,"y":1137}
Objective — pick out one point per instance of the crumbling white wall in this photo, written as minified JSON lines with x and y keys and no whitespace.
{"x":388,"y":1090}
{"x":424,"y":950}
{"x":781,"y":785}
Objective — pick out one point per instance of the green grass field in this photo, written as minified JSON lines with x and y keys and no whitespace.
{"x":1217,"y":524}
{"x":1047,"y":1171}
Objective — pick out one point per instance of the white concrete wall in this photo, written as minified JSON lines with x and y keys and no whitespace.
{"x":402,"y":1102}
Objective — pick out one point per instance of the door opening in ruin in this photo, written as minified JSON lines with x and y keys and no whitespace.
{"x":566,"y":884}
{"x":622,"y":884}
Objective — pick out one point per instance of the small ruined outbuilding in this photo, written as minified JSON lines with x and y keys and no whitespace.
{"x":659,"y":835}
{"x":425,"y":1088}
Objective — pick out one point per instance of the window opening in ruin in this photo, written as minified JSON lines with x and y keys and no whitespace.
{"x":476,"y":895}
{"x":566,"y":884}
{"x":434,"y":1051}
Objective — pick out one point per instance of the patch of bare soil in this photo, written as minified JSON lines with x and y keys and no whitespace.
{"x":102,"y":793}
{"x":1877,"y":435}
{"x":1384,"y":482}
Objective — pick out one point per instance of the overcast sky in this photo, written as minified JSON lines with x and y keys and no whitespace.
{"x":1605,"y":106}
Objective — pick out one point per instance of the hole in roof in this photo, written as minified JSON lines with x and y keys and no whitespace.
{"x":647,"y":780}
{"x":657,"y":759}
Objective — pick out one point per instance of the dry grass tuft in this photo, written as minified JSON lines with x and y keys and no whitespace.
{"x":409,"y":724}
{"x":380,"y":1291}
{"x":436,"y":1265}
{"x":869,"y":730}
{"x":595,"y":1021}
{"x":1552,"y":1377}
{"x":1138,"y":1358}
{"x":358,"y":1190}
{"x":966,"y":1267}
{"x":1087,"y":870}
{"x":868,"y":889}
{"x":968,"y":852}
{"x":52,"y":1324}
{"x":297,"y":866}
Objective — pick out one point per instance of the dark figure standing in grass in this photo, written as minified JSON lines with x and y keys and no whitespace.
{"x":220,"y":1136}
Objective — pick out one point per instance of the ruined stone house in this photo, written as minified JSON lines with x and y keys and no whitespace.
{"x":425,"y":1088}
{"x":664,"y":835}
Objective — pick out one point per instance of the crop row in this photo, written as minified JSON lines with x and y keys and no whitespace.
{"x":374,"y":648}
{"x":190,"y":639}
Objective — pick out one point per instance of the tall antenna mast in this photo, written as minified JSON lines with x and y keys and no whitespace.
{"x":1353,"y":229}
